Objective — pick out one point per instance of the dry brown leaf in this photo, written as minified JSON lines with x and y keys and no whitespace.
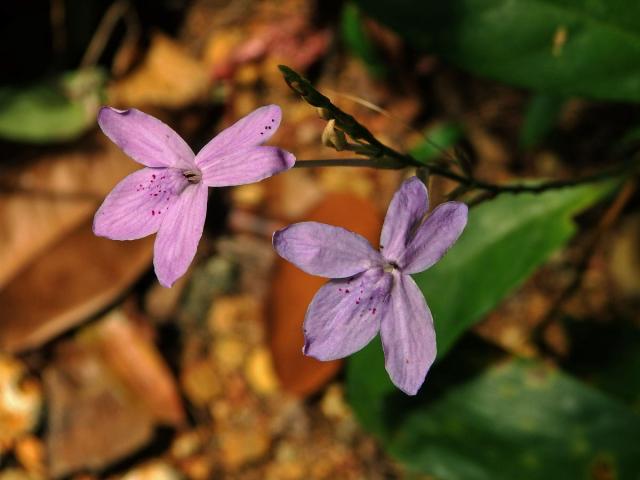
{"x":43,"y":201}
{"x":293,"y":290}
{"x":75,"y":278}
{"x":168,"y":77}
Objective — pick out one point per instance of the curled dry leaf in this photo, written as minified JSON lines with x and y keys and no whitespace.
{"x":293,"y":290}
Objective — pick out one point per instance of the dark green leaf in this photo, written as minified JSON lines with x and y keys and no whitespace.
{"x":520,"y":421}
{"x":566,"y":47}
{"x":357,"y":40}
{"x":539,"y":119}
{"x":437,"y":140}
{"x":55,"y":111}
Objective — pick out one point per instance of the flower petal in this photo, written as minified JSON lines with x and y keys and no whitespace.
{"x":179,"y":234}
{"x":244,"y":165}
{"x":145,"y":138}
{"x":408,"y":206}
{"x":136,"y":206}
{"x":325,"y":250}
{"x":434,"y":237}
{"x":250,"y":131}
{"x":345,"y":315}
{"x":408,"y":336}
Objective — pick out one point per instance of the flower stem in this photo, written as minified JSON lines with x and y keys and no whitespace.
{"x":469,"y":182}
{"x":384,"y":163}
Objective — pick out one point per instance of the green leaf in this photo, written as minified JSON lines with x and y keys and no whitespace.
{"x":539,"y":119}
{"x":54,"y":111}
{"x":567,"y":47}
{"x":520,"y":420}
{"x":505,"y":240}
{"x":357,"y":40}
{"x":437,"y":140}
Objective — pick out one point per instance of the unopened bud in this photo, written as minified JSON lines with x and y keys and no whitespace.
{"x":324,"y":113}
{"x":331,"y":137}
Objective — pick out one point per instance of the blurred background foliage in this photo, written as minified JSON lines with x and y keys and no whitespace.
{"x":105,"y":375}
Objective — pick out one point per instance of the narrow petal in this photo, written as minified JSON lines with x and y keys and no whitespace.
{"x":245,"y":165}
{"x":145,"y":138}
{"x":136,"y":206}
{"x":408,"y":336}
{"x":408,"y":206}
{"x":345,"y":315}
{"x":325,"y":250}
{"x":434,"y":237}
{"x":250,"y":131}
{"x":179,"y":234}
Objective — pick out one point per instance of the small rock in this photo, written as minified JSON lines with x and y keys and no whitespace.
{"x":333,"y":404}
{"x":198,"y":467}
{"x":18,"y":474}
{"x":231,"y":310}
{"x":155,"y":470}
{"x":240,"y":447}
{"x":29,"y":451}
{"x":200,"y":382}
{"x":186,"y":444}
{"x":229,"y":354}
{"x":260,"y":372}
{"x":20,"y":402}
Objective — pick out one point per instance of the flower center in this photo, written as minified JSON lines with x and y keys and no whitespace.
{"x":390,"y":267}
{"x":192,"y":176}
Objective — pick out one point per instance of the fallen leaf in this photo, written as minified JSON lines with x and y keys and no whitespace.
{"x":168,"y":77}
{"x":74,"y":279}
{"x":137,"y":362}
{"x":93,"y":420}
{"x":44,"y":200}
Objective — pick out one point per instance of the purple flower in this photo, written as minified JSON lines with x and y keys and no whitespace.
{"x":371,"y":291}
{"x":169,"y":196}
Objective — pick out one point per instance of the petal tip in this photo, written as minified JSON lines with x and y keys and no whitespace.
{"x":289,"y":159}
{"x":105,"y":109}
{"x":276,"y":238}
{"x":165,"y":280}
{"x":309,"y":351}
